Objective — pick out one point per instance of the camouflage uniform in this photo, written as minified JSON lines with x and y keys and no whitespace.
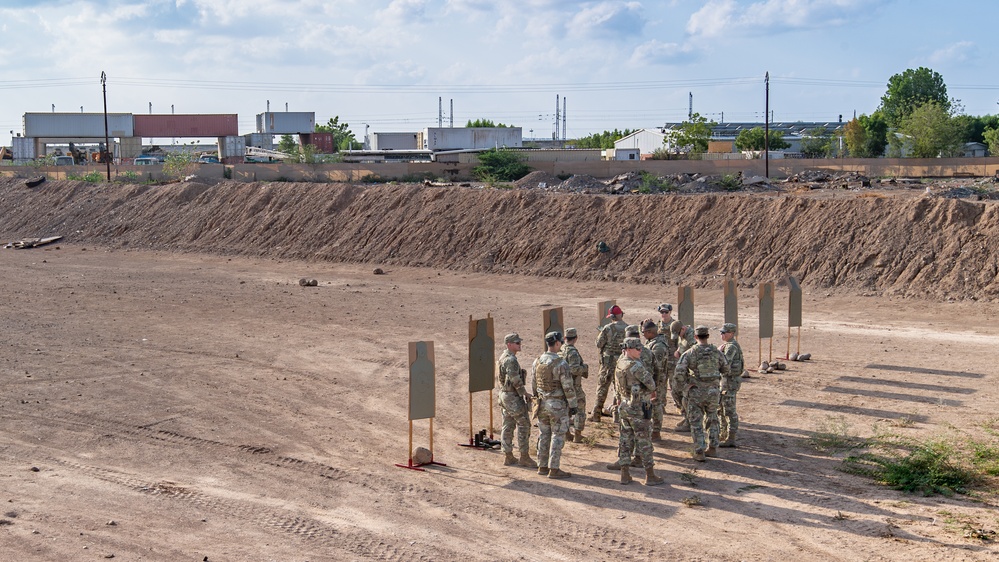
{"x":579,"y":371}
{"x":609,"y":343}
{"x":702,"y":368}
{"x":555,"y":391}
{"x":677,"y":385}
{"x":634,"y":392}
{"x":728,"y":416}
{"x":513,"y":404}
{"x":659,"y":350}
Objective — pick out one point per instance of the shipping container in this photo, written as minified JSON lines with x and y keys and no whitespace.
{"x":322,"y":141}
{"x":395,"y":141}
{"x":186,"y":125}
{"x":260,"y":140}
{"x":458,"y":138}
{"x":623,"y":154}
{"x":286,"y":122}
{"x":23,"y":148}
{"x":77,"y":125}
{"x":231,"y":146}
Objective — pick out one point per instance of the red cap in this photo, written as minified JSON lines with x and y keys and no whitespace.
{"x":614,"y":310}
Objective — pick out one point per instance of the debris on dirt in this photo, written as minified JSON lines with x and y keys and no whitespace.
{"x":537,"y":180}
{"x":422,"y":455}
{"x":431,"y":183}
{"x":33,"y":242}
{"x":34,"y":182}
{"x":582,"y":183}
{"x":378,"y":271}
{"x":308,"y":282}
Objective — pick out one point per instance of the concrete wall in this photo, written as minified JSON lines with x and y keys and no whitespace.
{"x":876,"y":167}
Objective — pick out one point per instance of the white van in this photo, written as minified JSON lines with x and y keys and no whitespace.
{"x":63,"y":161}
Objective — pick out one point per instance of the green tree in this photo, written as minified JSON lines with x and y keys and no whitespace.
{"x":754,"y":139}
{"x":690,"y":136}
{"x":288,"y":145}
{"x":931,"y":131}
{"x":484,"y":124}
{"x":605,"y":139}
{"x":991,"y":138}
{"x":876,"y":127}
{"x":910,"y":90}
{"x":855,"y":137}
{"x":343,"y":137}
{"x":816,"y":143}
{"x":500,"y":165}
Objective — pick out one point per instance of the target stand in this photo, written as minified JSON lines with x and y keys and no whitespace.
{"x":481,"y":377}
{"x":422,"y":397}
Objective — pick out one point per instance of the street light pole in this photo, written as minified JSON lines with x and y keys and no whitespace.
{"x":107,"y":141}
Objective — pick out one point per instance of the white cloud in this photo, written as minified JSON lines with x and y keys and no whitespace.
{"x":959,"y":52}
{"x":612,"y":19}
{"x":405,"y":11}
{"x":657,"y":52}
{"x":726,"y":17}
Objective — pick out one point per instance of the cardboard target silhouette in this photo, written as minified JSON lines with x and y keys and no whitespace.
{"x":481,"y":372}
{"x":422,"y":395}
{"x":603,"y":308}
{"x":685,"y":305}
{"x":732,"y":302}
{"x":793,"y":313}
{"x":552,"y":321}
{"x":767,"y":317}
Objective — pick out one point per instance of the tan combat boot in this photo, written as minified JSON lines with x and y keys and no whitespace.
{"x":711,"y":452}
{"x":625,"y":475}
{"x":543,"y":470}
{"x":698,"y":456}
{"x":615,"y":466}
{"x":556,"y":473}
{"x":509,"y":460}
{"x":526,"y":460}
{"x":651,"y":479}
{"x":577,"y":437}
{"x":657,"y":436}
{"x":730,"y":442}
{"x":636,"y":462}
{"x":595,"y":417}
{"x":683,"y":426}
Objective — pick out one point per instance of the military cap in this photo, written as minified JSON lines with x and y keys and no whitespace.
{"x":570,"y":333}
{"x":614,"y":311}
{"x":632,"y":343}
{"x":665,"y":307}
{"x":701,"y":331}
{"x":728,"y":328}
{"x":649,"y":324}
{"x":552,"y":337}
{"x":632,"y":329}
{"x":512,"y":338}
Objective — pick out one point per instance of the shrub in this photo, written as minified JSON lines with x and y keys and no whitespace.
{"x":500,"y":165}
{"x":912,"y":466}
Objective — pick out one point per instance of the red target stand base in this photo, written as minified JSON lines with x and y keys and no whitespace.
{"x":417,"y":466}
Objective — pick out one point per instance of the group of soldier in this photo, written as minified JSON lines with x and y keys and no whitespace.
{"x":675,"y":362}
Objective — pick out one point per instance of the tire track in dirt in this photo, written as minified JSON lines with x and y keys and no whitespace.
{"x":584,"y":537}
{"x":311,"y":531}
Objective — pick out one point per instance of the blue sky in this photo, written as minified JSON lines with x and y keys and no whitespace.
{"x":620,"y":64}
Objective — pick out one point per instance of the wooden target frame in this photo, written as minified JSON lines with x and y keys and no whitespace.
{"x":767,"y":318}
{"x":794,"y":305}
{"x":481,"y":374}
{"x":422,"y":396}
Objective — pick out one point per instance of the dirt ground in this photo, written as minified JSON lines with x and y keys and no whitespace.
{"x":165,"y":402}
{"x":158,"y":406}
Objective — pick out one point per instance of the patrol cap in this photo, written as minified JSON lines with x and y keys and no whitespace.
{"x":648,"y":325}
{"x":631,"y":343}
{"x":614,"y":311}
{"x":701,"y":331}
{"x":570,"y":333}
{"x":512,"y":338}
{"x":728,"y":328}
{"x":632,"y":329}
{"x":665,"y":307}
{"x":552,"y":337}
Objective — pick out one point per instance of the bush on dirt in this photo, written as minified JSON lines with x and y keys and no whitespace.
{"x":931,"y":467}
{"x":500,"y":165}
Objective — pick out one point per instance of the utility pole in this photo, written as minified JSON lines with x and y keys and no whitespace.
{"x":766,"y":130}
{"x":555,"y":133}
{"x":451,"y":120}
{"x":563,"y":118}
{"x":690,"y":105}
{"x":107,"y":140}
{"x":440,"y":112}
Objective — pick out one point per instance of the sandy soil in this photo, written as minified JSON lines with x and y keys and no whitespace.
{"x":167,"y":406}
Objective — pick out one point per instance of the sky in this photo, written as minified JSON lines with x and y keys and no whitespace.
{"x":384,"y":65}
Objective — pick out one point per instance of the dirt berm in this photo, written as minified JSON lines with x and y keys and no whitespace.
{"x":912,"y":245}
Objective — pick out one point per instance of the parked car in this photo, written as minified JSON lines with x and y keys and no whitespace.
{"x":207,"y":159}
{"x":146,"y":161}
{"x":63,"y":161}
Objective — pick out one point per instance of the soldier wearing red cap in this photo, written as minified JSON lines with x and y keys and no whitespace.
{"x":609,"y":342}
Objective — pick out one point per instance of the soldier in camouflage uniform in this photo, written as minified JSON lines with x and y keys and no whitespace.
{"x":684,"y":341}
{"x":703,"y":367}
{"x":555,"y":391}
{"x":514,"y":403}
{"x":635,"y":389}
{"x":656,"y":344}
{"x":579,"y":371}
{"x":609,"y":343}
{"x":727,"y":414}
